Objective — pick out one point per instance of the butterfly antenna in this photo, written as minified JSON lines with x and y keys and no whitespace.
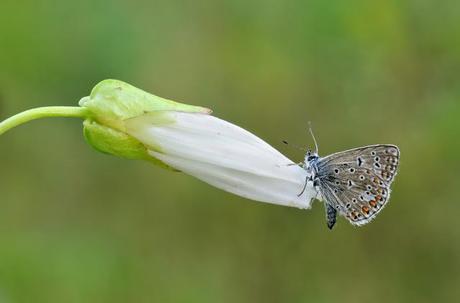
{"x":313,"y":136}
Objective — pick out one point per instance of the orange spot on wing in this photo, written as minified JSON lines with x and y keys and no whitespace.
{"x":365,"y":209}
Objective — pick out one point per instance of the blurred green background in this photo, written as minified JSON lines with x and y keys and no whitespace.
{"x":80,"y":226}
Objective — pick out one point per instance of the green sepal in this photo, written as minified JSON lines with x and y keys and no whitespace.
{"x":113,"y":101}
{"x":110,"y":105}
{"x":110,"y":141}
{"x":113,"y":142}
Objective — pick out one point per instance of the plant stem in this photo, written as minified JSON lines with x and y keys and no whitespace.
{"x":42,"y":112}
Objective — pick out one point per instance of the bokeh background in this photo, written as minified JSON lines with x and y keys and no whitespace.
{"x":80,"y":226}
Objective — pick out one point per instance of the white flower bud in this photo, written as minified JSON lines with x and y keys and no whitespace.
{"x":223,"y":155}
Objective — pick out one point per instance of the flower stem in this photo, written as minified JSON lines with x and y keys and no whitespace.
{"x":43,"y":112}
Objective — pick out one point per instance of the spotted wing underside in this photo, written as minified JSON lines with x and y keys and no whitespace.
{"x":357,"y":182}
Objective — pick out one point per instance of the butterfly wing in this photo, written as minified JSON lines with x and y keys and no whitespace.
{"x":357,"y":182}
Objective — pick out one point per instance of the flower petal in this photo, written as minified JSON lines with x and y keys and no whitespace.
{"x":222,"y":154}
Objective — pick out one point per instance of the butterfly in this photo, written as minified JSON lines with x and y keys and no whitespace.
{"x":354,"y":183}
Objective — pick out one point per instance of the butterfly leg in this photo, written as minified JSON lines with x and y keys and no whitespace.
{"x":304,"y":187}
{"x":331,"y":215}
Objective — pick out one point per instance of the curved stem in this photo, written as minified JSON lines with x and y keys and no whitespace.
{"x":43,"y":112}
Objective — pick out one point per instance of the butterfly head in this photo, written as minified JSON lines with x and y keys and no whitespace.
{"x":311,"y":157}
